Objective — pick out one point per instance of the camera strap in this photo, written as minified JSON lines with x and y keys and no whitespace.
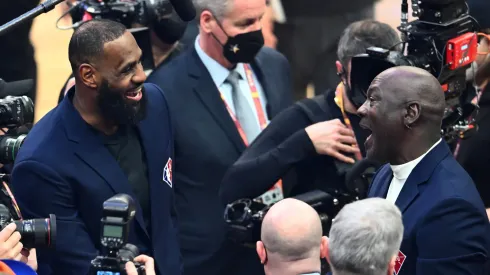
{"x":339,"y":100}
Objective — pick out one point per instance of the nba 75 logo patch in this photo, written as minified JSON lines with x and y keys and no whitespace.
{"x":400,"y":258}
{"x":167,"y":172}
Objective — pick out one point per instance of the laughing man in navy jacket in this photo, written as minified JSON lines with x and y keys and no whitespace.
{"x":111,"y":134}
{"x":446,"y":228}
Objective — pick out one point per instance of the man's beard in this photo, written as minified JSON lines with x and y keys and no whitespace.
{"x":116,"y":109}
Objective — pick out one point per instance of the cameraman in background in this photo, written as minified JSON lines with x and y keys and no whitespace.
{"x":474,"y":152}
{"x":310,"y":153}
{"x":165,"y":34}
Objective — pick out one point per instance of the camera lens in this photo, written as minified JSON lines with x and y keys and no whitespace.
{"x":9,"y":147}
{"x":16,"y":111}
{"x":128,"y":252}
{"x":38,"y":232}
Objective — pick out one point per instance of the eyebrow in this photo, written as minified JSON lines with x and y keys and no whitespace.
{"x":131,"y":64}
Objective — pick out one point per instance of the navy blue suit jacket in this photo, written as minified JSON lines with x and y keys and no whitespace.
{"x":446,"y":227}
{"x":207,"y":143}
{"x":64,"y":168}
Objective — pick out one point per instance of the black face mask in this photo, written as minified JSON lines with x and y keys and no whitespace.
{"x":169,"y":30}
{"x":243,"y":47}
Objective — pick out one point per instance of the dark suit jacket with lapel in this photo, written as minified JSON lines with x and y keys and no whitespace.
{"x":446,"y":227}
{"x":64,"y":168}
{"x":207,"y":143}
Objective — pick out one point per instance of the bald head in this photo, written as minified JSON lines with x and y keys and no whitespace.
{"x":413,"y":86}
{"x":292,"y":230}
{"x":404,"y":110}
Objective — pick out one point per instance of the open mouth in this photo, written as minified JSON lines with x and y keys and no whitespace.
{"x":134,"y":95}
{"x":364,"y":126}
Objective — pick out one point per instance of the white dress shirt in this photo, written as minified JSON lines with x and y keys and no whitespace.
{"x":219,"y":74}
{"x":401,"y":173}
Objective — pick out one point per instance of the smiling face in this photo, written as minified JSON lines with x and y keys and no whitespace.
{"x":120,"y":95}
{"x":382,"y":113}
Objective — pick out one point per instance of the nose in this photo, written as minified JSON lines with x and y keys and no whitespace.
{"x":140,"y":76}
{"x":362,"y":111}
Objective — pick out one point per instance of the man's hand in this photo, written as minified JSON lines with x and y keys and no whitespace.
{"x":28,"y":257}
{"x":331,"y":138}
{"x":10,"y":245}
{"x":149,"y":265}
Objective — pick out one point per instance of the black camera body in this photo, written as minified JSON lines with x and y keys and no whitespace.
{"x":443,"y":41}
{"x":123,"y":11}
{"x":244,"y":217}
{"x":118,"y":213}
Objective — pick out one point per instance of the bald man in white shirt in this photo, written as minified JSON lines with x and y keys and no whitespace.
{"x":446,"y":227}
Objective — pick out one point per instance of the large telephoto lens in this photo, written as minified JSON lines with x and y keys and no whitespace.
{"x":16,"y":111}
{"x":37,"y":232}
{"x":9,"y":147}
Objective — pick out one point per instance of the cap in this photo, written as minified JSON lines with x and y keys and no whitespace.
{"x":12,"y":267}
{"x":16,"y":88}
{"x":479,"y":10}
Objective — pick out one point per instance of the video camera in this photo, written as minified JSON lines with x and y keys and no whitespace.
{"x":442,"y":41}
{"x":118,"y":212}
{"x":16,"y":116}
{"x":244,"y":217}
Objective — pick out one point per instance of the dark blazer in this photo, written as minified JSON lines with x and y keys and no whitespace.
{"x":64,"y":168}
{"x":207,"y":143}
{"x":446,"y":227}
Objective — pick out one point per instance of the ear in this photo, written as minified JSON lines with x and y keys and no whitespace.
{"x":88,"y":75}
{"x":261,"y":252}
{"x":207,"y":21}
{"x":340,"y":68}
{"x":324,"y":248}
{"x":412,"y":113}
{"x":391,"y":266}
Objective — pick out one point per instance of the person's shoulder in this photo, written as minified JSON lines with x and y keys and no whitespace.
{"x":46,"y":140}
{"x":267,"y":54}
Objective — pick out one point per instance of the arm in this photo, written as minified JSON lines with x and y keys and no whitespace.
{"x":453,"y":239}
{"x":282,"y":144}
{"x":40,"y":191}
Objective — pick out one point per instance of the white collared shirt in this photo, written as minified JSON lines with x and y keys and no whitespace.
{"x":401,"y":173}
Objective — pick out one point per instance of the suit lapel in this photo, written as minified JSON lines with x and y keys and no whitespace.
{"x":209,"y":94}
{"x":383,"y":181}
{"x":91,"y":150}
{"x":420,"y":175}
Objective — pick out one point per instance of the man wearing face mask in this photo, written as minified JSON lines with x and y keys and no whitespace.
{"x":309,"y":153}
{"x":222,"y":92}
{"x":165,"y":34}
{"x":111,"y":134}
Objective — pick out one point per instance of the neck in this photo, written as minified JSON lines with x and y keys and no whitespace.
{"x":161,"y":50}
{"x":414,"y":148}
{"x":90,"y":113}
{"x":212,"y":48}
{"x":348,"y":106}
{"x":293,"y":268}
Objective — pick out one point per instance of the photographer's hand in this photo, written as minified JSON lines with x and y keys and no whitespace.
{"x":331,"y":138}
{"x":10,"y":245}
{"x":149,"y":265}
{"x":28,"y":257}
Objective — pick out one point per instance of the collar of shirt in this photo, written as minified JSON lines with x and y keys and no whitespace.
{"x":217,"y":71}
{"x":402,"y":171}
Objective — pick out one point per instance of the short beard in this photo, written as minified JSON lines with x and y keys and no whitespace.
{"x":115,"y":108}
